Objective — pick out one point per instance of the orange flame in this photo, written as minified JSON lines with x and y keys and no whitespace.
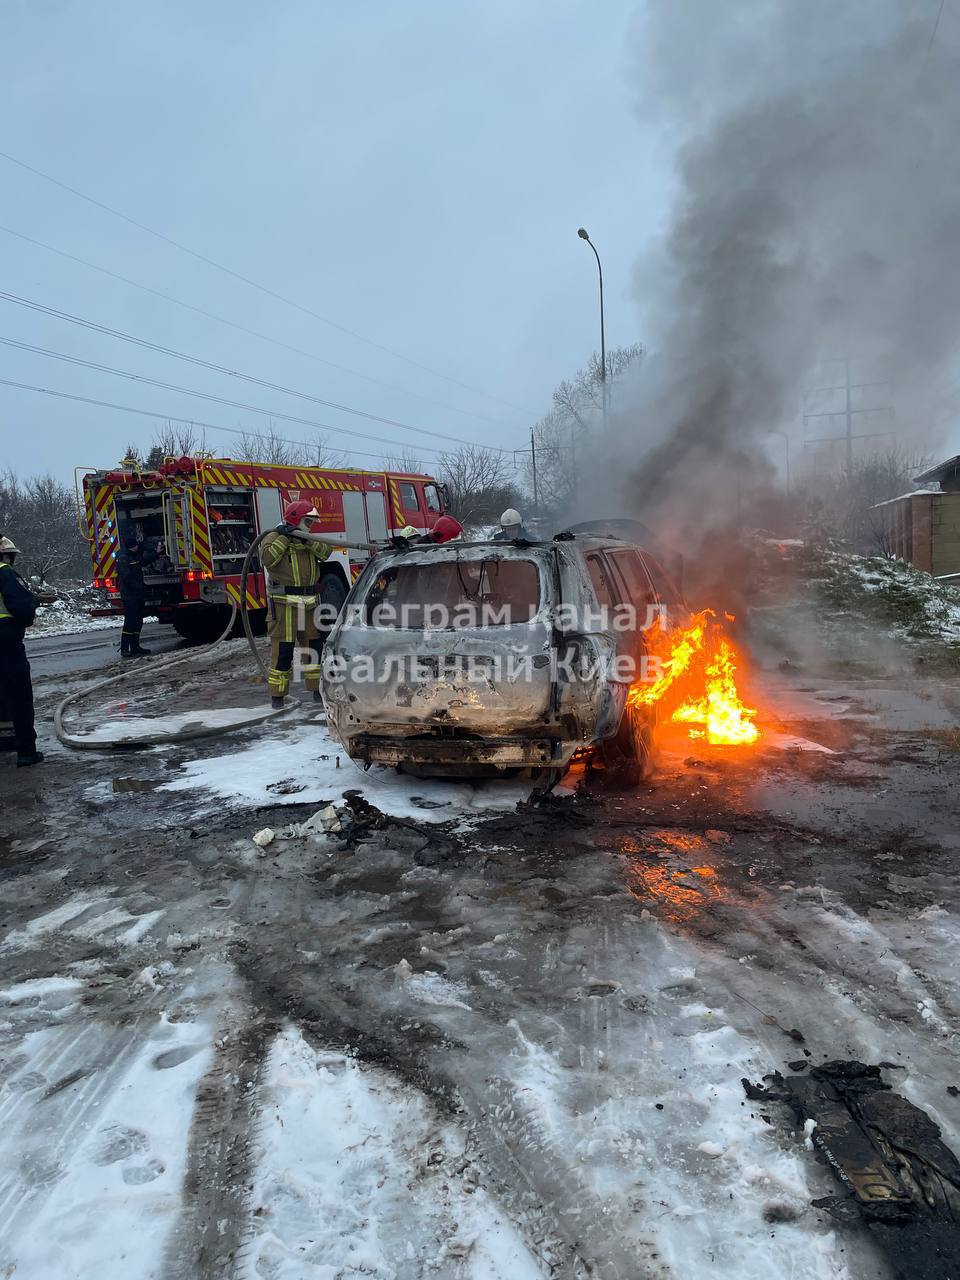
{"x":697,"y":666}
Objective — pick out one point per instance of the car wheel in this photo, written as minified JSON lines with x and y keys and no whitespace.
{"x":630,"y":752}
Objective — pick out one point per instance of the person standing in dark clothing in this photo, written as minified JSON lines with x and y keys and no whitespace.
{"x":18,"y":608}
{"x":131,"y":562}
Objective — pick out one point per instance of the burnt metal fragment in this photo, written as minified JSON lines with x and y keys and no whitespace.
{"x":900,"y":1178}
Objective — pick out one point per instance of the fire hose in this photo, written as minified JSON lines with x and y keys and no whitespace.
{"x":81,"y":742}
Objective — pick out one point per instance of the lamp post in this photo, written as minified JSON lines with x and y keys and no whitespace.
{"x":603,"y":345}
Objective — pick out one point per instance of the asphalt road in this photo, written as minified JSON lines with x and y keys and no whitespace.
{"x":90,"y":650}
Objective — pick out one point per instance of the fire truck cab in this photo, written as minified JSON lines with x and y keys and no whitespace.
{"x":205,"y":513}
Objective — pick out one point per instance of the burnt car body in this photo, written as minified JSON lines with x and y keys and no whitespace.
{"x":488,"y":657}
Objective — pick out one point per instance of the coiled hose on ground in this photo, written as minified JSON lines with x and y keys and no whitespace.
{"x":82,"y":743}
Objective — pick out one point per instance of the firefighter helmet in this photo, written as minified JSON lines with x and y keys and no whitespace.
{"x":8,"y":547}
{"x":446,"y":529}
{"x":294,"y":513}
{"x":510,"y":518}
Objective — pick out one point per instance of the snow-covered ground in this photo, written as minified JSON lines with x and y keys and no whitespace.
{"x":865,"y":590}
{"x":64,"y":617}
{"x":302,"y":764}
{"x":473,"y":1041}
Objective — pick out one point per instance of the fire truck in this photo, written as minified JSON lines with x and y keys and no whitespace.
{"x":207,"y":512}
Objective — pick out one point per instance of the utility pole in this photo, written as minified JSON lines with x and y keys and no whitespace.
{"x":533,"y":465}
{"x":786,"y":444}
{"x":847,"y":412}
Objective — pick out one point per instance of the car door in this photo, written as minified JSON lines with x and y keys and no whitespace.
{"x":637,"y":590}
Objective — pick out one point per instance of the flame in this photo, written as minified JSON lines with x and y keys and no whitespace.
{"x":697,"y":666}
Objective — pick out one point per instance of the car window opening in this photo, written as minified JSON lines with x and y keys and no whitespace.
{"x":454,"y":593}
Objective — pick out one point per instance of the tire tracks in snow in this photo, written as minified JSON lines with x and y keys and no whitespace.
{"x":212,"y":1232}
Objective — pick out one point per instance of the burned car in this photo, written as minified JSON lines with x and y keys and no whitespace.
{"x":490,"y":657}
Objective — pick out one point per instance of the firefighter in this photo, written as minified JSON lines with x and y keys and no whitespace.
{"x":18,"y":608}
{"x":447,"y":529}
{"x":292,"y":556}
{"x":131,"y":562}
{"x":511,"y":527}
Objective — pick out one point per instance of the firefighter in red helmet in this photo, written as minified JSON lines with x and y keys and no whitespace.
{"x":447,"y":529}
{"x":291,"y":555}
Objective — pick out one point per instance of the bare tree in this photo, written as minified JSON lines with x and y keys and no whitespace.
{"x":40,"y":515}
{"x":319,"y":453}
{"x":175,"y":440}
{"x":580,"y":398}
{"x":565,"y":432}
{"x":270,"y":446}
{"x":480,"y":483}
{"x":843,"y":505}
{"x":404,"y":461}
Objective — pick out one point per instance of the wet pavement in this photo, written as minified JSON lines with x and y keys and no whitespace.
{"x":568,"y":996}
{"x":91,"y":650}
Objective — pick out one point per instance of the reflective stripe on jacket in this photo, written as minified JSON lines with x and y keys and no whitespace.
{"x":292,"y":562}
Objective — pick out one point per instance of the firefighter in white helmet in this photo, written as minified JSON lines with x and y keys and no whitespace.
{"x":511,"y":527}
{"x":292,"y":557}
{"x":18,"y":608}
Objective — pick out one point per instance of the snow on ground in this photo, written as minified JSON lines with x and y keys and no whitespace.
{"x":128,"y":730}
{"x":94,"y":1124}
{"x":306,"y":766}
{"x":58,"y":619}
{"x":358,"y":1175}
{"x":917,"y":603}
{"x":630,"y":1096}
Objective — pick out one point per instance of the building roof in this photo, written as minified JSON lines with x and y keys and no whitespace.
{"x":914,"y":493}
{"x":945,"y":472}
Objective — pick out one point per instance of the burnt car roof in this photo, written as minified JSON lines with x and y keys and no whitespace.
{"x":585,"y":539}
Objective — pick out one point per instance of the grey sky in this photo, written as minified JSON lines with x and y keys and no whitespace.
{"x":416,"y":172}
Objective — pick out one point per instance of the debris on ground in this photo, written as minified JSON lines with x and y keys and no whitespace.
{"x":888,"y":1154}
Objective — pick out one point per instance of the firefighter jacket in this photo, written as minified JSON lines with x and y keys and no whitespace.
{"x":130,"y":567}
{"x":18,"y":604}
{"x":293,"y":564}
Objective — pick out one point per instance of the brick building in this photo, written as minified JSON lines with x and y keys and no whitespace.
{"x":923,"y":527}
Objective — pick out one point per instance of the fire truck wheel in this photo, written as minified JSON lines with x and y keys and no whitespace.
{"x":201,"y":624}
{"x":332,"y":590}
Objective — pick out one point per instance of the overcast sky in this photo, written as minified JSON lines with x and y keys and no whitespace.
{"x":413,"y":172}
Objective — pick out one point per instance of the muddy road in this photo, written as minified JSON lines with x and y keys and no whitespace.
{"x":468,"y":1036}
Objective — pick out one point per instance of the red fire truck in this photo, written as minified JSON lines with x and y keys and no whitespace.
{"x":207,"y":511}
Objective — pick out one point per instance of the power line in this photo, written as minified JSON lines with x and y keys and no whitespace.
{"x":253,"y":284}
{"x":253,"y":333}
{"x":95,"y":327}
{"x":171,"y":417}
{"x":204,"y":395}
{"x":848,"y":412}
{"x":936,"y":25}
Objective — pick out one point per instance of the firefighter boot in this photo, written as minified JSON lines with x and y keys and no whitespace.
{"x":277,"y":702}
{"x":31,"y":757}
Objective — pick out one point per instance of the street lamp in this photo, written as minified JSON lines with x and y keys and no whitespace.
{"x":581,"y":232}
